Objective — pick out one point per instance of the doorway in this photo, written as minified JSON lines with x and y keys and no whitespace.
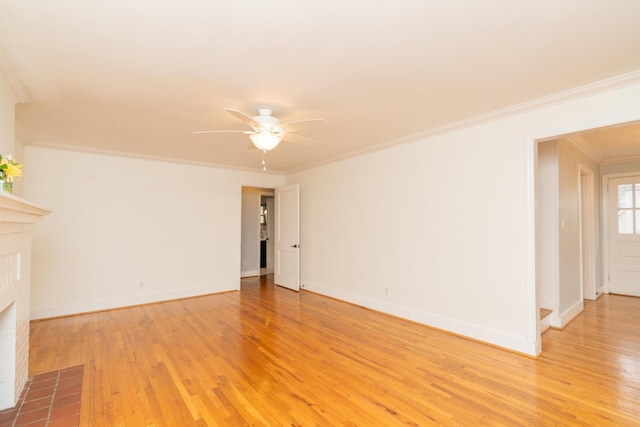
{"x":570,"y":210}
{"x":267,"y":230}
{"x":256,"y":228}
{"x":271,"y":216}
{"x":567,"y":222}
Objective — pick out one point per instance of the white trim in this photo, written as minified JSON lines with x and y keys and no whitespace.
{"x":544,"y":325}
{"x":620,"y":160}
{"x":587,"y":247}
{"x":604,"y":227}
{"x":132,"y":300}
{"x":265,"y":193}
{"x":534,"y":331}
{"x":491,"y":336}
{"x":115,"y":153}
{"x":250,"y":273}
{"x":562,"y":320}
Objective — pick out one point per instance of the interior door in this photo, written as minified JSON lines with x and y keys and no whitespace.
{"x":287,"y":241}
{"x":624,"y":235}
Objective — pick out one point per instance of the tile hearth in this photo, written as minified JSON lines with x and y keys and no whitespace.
{"x":48,"y":400}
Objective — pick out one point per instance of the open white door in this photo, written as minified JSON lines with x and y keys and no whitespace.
{"x":287,"y":262}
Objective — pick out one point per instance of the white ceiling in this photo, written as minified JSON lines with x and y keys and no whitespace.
{"x":139,"y":76}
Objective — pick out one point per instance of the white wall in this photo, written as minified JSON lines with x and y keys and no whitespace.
{"x":9,"y":144}
{"x":446,"y":223}
{"x":547,"y":231}
{"x":570,"y":158}
{"x":7,"y":118}
{"x":250,"y":257}
{"x":119,"y":221}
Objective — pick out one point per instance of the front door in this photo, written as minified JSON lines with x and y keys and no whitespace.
{"x":287,"y":244}
{"x":624,"y":235}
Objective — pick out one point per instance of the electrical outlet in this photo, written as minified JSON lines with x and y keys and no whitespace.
{"x":141,"y":285}
{"x":386,"y":291}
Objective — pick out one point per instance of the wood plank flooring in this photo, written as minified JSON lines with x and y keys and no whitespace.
{"x":270,"y":356}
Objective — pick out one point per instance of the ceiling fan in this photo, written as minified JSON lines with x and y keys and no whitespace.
{"x":267,"y":131}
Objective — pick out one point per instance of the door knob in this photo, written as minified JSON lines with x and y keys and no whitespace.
{"x":295,"y":246}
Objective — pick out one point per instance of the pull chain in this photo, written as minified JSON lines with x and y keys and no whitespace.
{"x":264,"y":160}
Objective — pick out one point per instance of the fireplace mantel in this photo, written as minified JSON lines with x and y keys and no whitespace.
{"x":15,"y":209}
{"x":17,"y":217}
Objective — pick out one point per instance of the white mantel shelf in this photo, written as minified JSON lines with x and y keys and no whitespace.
{"x":17,"y":218}
{"x":14,"y":209}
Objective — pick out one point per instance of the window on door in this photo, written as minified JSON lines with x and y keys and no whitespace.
{"x":629,"y":208}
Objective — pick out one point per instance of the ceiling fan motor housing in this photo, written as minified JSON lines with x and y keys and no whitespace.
{"x":267,"y":121}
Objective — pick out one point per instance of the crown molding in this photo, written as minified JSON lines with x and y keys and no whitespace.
{"x":20,"y":92}
{"x":583,"y":146}
{"x":533,"y":105}
{"x":620,"y":160}
{"x":117,"y":153}
{"x":524,"y":107}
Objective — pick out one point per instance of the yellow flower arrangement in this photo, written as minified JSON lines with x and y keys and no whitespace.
{"x":9,"y":168}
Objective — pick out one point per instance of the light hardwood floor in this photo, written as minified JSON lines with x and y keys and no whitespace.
{"x":270,"y":356}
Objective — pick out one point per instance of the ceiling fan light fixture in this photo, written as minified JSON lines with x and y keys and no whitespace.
{"x":265,"y":140}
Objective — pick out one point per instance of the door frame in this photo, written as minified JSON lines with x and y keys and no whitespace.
{"x":272,"y":195}
{"x":586,"y":199}
{"x":261,"y":191}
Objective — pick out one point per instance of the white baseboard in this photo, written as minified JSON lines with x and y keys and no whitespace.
{"x":250,"y":273}
{"x":544,"y":324}
{"x":127,"y":301}
{"x":560,"y":321}
{"x":479,"y":333}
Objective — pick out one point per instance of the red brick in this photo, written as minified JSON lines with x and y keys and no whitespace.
{"x":8,"y":415}
{"x":39,"y":394}
{"x":45,"y":376}
{"x":71,"y":421}
{"x":63,"y":391}
{"x":31,"y":416}
{"x":58,"y":412}
{"x":33,"y":405}
{"x":66,"y":400}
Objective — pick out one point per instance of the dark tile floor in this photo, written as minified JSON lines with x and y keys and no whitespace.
{"x":48,"y":400}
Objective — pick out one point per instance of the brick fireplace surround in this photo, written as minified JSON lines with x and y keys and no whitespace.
{"x":17,"y":217}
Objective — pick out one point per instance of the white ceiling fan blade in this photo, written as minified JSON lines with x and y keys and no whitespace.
{"x":244,"y":118}
{"x":297,"y":125}
{"x":246,"y":132}
{"x":299,"y":139}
